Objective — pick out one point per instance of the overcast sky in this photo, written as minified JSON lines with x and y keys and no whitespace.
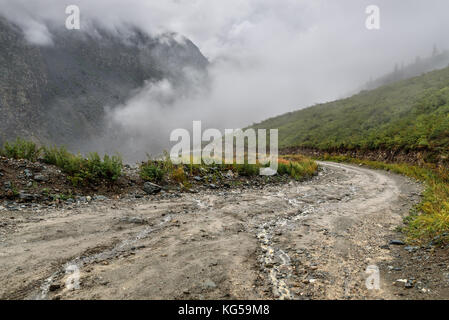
{"x":269,"y":56}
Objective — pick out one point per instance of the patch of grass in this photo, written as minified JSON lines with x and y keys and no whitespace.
{"x":430,"y":219}
{"x":63,"y":197}
{"x":80,"y":170}
{"x":14,"y":190}
{"x":84,"y":170}
{"x":246,"y":170}
{"x":152,"y":171}
{"x":178,"y":175}
{"x":109,"y":168}
{"x":21,"y":149}
{"x":298,"y":167}
{"x":156,"y":170}
{"x":164,"y":170}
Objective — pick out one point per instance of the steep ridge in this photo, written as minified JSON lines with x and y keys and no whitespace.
{"x":57,"y":93}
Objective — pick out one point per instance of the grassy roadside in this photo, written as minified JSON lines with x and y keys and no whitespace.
{"x":164,"y":170}
{"x":80,"y":170}
{"x":93,"y":169}
{"x":429,"y":220}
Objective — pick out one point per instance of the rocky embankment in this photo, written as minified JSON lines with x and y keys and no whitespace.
{"x":35,"y":185}
{"x":386,"y":155}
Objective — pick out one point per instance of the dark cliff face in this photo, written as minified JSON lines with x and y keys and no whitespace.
{"x":57,"y":93}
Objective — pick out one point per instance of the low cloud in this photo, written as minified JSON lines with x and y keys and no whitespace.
{"x":267,"y":56}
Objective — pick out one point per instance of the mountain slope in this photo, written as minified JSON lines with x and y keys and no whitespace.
{"x":408,"y":115}
{"x":57,"y":93}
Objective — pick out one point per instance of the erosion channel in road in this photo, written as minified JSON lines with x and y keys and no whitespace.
{"x":300,"y":240}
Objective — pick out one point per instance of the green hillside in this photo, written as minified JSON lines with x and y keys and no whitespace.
{"x":412,"y":114}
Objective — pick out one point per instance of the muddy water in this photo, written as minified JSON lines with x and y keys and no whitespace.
{"x":309,"y":240}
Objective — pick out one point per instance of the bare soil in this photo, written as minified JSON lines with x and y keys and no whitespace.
{"x":297,"y":240}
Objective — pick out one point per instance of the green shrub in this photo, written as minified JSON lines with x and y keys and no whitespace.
{"x":21,"y":149}
{"x":298,"y":168}
{"x":152,"y":171}
{"x":112,"y":167}
{"x":79,"y":169}
{"x":178,"y":175}
{"x":247,"y":170}
{"x":63,"y":159}
{"x":82,"y":170}
{"x":158,"y":170}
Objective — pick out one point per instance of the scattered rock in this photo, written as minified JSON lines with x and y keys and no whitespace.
{"x":411,"y":248}
{"x":397,"y":243}
{"x":135,"y":220}
{"x":28,"y":173}
{"x":10,"y":194}
{"x":409,"y":284}
{"x":209,"y":284}
{"x":40,"y":178}
{"x":404,"y":281}
{"x":229,"y":174}
{"x":54,"y":287}
{"x":151,"y":188}
{"x":26,"y":197}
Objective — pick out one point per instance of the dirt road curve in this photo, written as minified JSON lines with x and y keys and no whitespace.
{"x":303,"y":240}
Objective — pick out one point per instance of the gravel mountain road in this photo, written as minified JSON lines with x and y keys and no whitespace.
{"x":302,"y":240}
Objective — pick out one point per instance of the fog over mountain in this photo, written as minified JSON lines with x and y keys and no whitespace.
{"x":68,"y":92}
{"x":265,"y":57}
